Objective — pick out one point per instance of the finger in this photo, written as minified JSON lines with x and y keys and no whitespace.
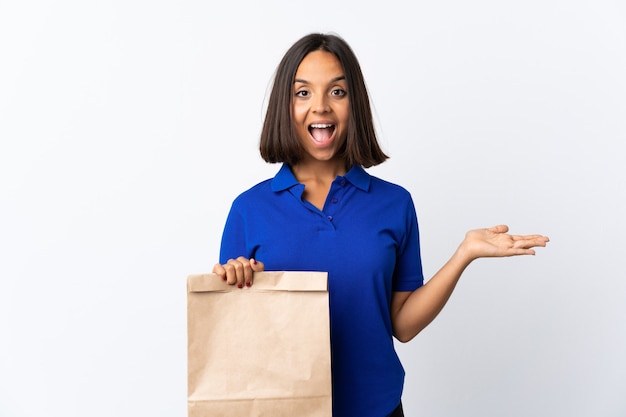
{"x":219,"y":270}
{"x":524,"y":251}
{"x":257,"y":266}
{"x":246,"y":273}
{"x":231,"y":274}
{"x":234,"y":272}
{"x":529,"y":237}
{"x":530,"y":242}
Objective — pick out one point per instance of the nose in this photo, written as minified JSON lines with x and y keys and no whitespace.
{"x":320,"y":103}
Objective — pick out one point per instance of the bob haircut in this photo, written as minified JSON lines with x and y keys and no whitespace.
{"x":279,"y":142}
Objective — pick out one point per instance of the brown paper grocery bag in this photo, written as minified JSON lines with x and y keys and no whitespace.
{"x":259,"y":351}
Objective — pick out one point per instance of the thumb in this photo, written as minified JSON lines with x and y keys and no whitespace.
{"x":501,"y":228}
{"x":257,"y":266}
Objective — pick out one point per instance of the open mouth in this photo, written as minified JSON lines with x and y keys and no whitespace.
{"x":322,"y":132}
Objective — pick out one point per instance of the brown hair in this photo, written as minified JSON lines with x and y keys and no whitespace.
{"x":279,"y":142}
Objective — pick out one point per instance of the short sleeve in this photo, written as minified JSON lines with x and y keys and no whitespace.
{"x":234,"y":236}
{"x":408,"y":274}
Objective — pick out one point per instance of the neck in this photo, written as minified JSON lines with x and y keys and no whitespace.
{"x":321,"y":171}
{"x":317,"y":177}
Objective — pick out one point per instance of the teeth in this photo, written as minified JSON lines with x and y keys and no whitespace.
{"x":321,"y":126}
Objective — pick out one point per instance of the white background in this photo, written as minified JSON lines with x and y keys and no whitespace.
{"x":127,"y":128}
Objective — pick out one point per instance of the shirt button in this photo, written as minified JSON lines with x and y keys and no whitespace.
{"x":334,"y":201}
{"x":330,"y":218}
{"x":342,"y":182}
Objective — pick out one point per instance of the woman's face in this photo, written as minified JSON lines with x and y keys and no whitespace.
{"x":321,"y":106}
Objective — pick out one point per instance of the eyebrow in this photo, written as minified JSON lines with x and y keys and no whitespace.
{"x":334,"y":80}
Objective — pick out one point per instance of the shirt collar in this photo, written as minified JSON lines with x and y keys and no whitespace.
{"x":359,"y":177}
{"x":285,"y":179}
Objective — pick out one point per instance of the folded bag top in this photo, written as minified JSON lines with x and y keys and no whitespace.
{"x":267,"y":281}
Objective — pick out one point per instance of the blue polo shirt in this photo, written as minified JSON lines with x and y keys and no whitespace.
{"x":366,"y":238}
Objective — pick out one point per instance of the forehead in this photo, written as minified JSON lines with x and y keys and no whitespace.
{"x":319,"y":65}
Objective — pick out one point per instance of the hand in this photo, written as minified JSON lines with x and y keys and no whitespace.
{"x":238,"y":271}
{"x":495,"y":242}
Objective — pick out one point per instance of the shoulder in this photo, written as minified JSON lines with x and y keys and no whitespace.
{"x":266,"y":191}
{"x":391,"y":198}
{"x":373,"y":185}
{"x":254,"y":193}
{"x":380,"y":186}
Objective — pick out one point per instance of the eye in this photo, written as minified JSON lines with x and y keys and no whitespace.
{"x":339,"y":92}
{"x":302,"y":93}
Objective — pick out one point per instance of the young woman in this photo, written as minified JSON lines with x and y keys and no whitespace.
{"x":323,"y":212}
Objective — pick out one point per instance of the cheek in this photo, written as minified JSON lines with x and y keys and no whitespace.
{"x":299,"y":113}
{"x":345,"y":117}
{"x":343,"y":110}
{"x":298,"y":123}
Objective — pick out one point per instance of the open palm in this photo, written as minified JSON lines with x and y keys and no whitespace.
{"x":496,"y":242}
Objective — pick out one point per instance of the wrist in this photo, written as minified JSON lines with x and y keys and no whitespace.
{"x":463,"y":255}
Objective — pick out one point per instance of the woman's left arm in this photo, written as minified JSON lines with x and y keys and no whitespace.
{"x":412,"y":311}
